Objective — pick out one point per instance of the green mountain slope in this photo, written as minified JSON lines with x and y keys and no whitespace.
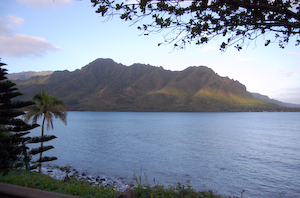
{"x":104,"y":85}
{"x":27,"y":75}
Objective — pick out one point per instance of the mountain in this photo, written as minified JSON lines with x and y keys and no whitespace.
{"x":27,"y":75}
{"x":269,"y":100}
{"x":104,"y":85}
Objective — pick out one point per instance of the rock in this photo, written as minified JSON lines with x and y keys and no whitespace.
{"x":56,"y":173}
{"x":129,"y":193}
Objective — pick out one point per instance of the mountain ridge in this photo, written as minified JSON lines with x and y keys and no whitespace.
{"x":104,"y":85}
{"x":267,"y":99}
{"x":26,"y":75}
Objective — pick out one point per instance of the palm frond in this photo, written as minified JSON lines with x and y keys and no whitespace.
{"x":62,"y":115}
{"x":45,"y":106}
{"x":49,"y":118}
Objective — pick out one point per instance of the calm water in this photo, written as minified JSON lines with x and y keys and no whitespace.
{"x":224,"y":152}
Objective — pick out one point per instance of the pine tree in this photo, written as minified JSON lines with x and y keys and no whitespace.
{"x":12,"y":128}
{"x":40,"y":150}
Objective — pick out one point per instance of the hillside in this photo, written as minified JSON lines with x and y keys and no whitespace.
{"x":267,"y":99}
{"x":104,"y":85}
{"x":27,"y":75}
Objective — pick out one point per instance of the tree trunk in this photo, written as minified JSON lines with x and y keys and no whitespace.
{"x":40,"y":164}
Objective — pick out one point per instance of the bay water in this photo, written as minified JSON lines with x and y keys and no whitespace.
{"x":230,"y":153}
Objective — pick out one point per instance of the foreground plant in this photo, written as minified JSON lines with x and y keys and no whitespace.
{"x":12,"y":128}
{"x":46,"y":106}
{"x":82,"y":188}
{"x":144,"y":190}
{"x":177,"y":191}
{"x":72,"y":186}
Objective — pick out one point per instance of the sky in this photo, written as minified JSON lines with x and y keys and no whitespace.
{"x":42,"y":35}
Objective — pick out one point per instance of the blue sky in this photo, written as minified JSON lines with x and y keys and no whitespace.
{"x":40,"y":35}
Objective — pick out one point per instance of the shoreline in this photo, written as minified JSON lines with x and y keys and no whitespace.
{"x":61,"y":173}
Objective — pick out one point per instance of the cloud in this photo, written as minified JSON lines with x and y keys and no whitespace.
{"x":209,"y":48}
{"x":15,"y":20}
{"x":8,"y":29}
{"x":44,"y":4}
{"x":130,"y":2}
{"x":291,"y":95}
{"x":241,"y":59}
{"x":23,"y":45}
{"x":18,"y":45}
{"x":286,"y":73}
{"x":293,"y":53}
{"x":5,"y":29}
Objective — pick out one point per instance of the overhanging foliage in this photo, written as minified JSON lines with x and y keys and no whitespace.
{"x":238,"y":22}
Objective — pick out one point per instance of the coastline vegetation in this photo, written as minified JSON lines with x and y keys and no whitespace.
{"x":72,"y":185}
{"x":14,"y":155}
{"x":46,"y":107}
{"x":69,"y":185}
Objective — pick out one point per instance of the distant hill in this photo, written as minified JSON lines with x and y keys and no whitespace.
{"x":27,"y":75}
{"x":104,"y":85}
{"x":267,"y":99}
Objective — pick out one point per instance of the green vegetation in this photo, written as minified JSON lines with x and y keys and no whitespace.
{"x":45,"y":106}
{"x":104,"y":85}
{"x":27,"y":75}
{"x":12,"y":129}
{"x":235,"y":22}
{"x":139,"y":88}
{"x":178,"y":190}
{"x":70,"y":186}
{"x":79,"y":187}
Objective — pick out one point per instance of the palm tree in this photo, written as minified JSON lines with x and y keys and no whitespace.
{"x":45,"y":107}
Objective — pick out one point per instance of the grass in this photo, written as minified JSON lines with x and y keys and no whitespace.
{"x":70,"y":186}
{"x":79,"y":187}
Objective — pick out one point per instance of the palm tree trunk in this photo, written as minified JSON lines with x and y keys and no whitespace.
{"x":40,"y":164}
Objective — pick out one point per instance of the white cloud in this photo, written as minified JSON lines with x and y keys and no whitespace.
{"x":18,"y":45}
{"x":15,"y":20}
{"x":7,"y":26}
{"x":44,"y":4}
{"x":293,"y":53}
{"x":209,"y":48}
{"x":130,"y":2}
{"x":241,"y":59}
{"x":285,"y":73}
{"x":4,"y":28}
{"x":23,"y":45}
{"x":291,"y":95}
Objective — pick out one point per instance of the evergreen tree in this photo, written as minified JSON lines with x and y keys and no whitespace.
{"x":12,"y":128}
{"x":40,"y":150}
